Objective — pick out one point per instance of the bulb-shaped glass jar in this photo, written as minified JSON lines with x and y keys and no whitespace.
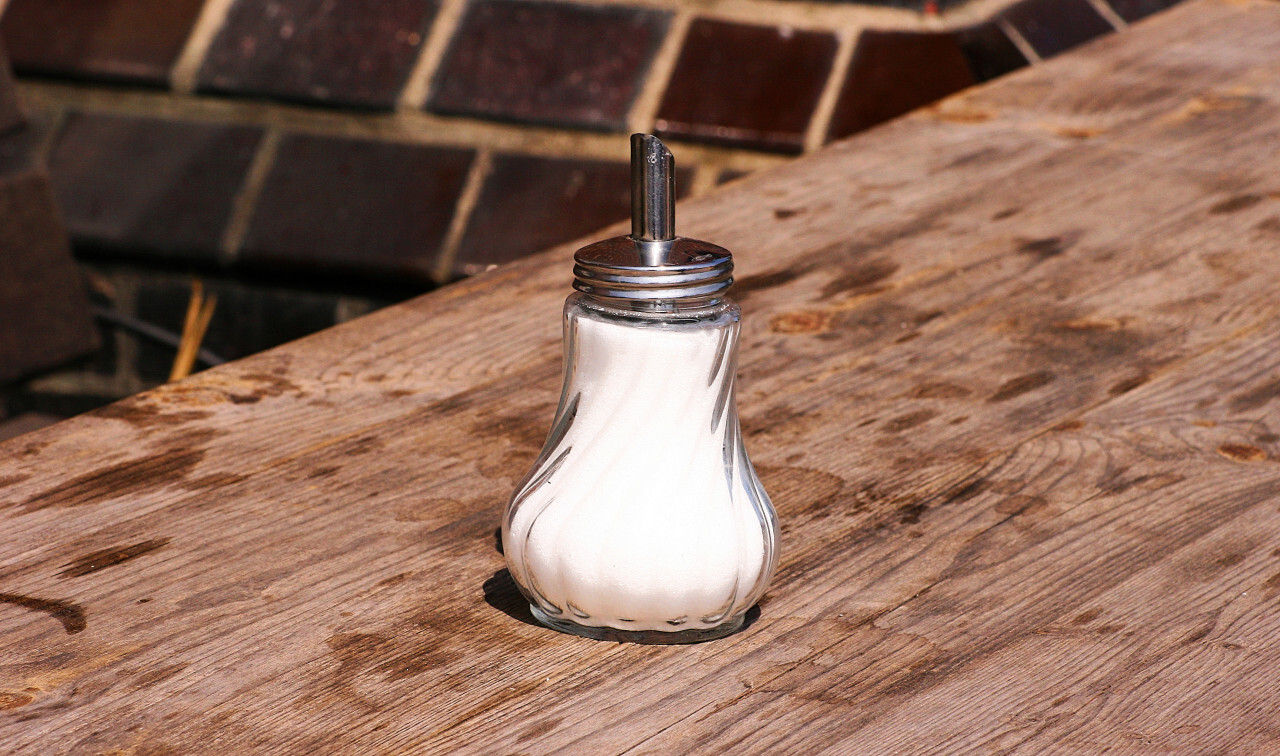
{"x":642,"y":519}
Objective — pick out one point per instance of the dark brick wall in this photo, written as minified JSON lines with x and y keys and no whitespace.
{"x":1052,"y":26}
{"x":356,"y":207}
{"x":530,"y":203}
{"x":747,"y":85}
{"x":894,"y":72}
{"x":310,"y":158}
{"x":564,"y":64}
{"x":149,"y":186}
{"x":333,"y":52}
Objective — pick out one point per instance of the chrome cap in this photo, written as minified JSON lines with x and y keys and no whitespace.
{"x":652,"y":263}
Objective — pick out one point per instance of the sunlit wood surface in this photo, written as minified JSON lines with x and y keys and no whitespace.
{"x":1010,"y":369}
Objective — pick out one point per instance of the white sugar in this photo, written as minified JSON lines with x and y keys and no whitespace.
{"x":645,"y":519}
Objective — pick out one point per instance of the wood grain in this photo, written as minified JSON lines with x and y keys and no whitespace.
{"x":1009,"y":369}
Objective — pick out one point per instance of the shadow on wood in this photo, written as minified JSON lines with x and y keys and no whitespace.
{"x":501,"y":593}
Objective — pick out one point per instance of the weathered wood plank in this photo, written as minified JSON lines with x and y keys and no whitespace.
{"x":1057,"y":613}
{"x":295,"y":552}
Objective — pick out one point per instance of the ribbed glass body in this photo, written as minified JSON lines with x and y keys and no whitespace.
{"x":643,"y":519}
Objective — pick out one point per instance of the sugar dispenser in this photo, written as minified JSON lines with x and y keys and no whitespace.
{"x":642,"y":519}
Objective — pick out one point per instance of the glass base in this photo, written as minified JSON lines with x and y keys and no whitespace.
{"x":697,"y":635}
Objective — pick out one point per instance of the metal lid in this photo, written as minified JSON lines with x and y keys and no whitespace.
{"x":652,"y":262}
{"x":626,"y":268}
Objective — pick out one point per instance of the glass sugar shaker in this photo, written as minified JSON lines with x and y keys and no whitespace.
{"x":642,"y":519}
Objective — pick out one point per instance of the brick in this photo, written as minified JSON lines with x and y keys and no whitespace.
{"x":895,"y":72}
{"x":529,"y":204}
{"x":10,"y":113}
{"x":347,"y":52}
{"x":1133,"y":10}
{"x":131,"y":40}
{"x":337,"y":206}
{"x":1052,"y":26}
{"x":989,"y":51}
{"x":44,"y":312}
{"x":746,"y":86}
{"x":545,"y":62}
{"x":248,"y":318}
{"x":149,"y":187}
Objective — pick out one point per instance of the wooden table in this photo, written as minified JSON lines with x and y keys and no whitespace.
{"x":1010,"y":370}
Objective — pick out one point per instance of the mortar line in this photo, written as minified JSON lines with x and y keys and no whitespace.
{"x":481,"y":166}
{"x":645,"y":108}
{"x":704,"y":179}
{"x":129,"y":346}
{"x":246,"y":201}
{"x":1105,"y":10}
{"x":418,"y":86}
{"x":816,"y":134}
{"x":403,"y":127}
{"x":350,"y":308}
{"x":186,"y":69}
{"x":819,"y":14}
{"x":1019,"y":41}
